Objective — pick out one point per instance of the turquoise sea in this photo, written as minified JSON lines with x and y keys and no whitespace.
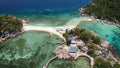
{"x":33,"y":49}
{"x":110,"y":33}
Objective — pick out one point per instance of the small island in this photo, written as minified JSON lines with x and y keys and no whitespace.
{"x":10,"y":26}
{"x":105,"y":10}
{"x":84,"y":43}
{"x":77,"y":42}
{"x":52,"y":34}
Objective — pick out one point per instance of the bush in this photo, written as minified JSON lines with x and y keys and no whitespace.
{"x":96,"y":40}
{"x":85,"y":36}
{"x":68,"y":42}
{"x":117,"y":65}
{"x":104,"y":9}
{"x":91,"y":53}
{"x":65,"y":35}
{"x":8,"y":23}
{"x":82,"y":30}
{"x":100,"y":63}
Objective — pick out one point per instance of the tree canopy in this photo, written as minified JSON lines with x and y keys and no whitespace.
{"x":83,"y":34}
{"x":100,"y":63}
{"x":104,"y":9}
{"x":9,"y":23}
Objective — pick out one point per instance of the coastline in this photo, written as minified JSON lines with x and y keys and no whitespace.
{"x":81,"y":11}
{"x":110,"y":47}
{"x":26,"y":27}
{"x":106,"y":44}
{"x":13,"y":35}
{"x":114,"y":53}
{"x":10,"y":36}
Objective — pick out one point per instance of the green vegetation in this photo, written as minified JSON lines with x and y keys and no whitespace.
{"x":83,"y":34}
{"x":68,"y":42}
{"x":104,"y":9}
{"x":92,"y":47}
{"x":92,"y":42}
{"x":9,"y":24}
{"x":117,"y":65}
{"x":91,"y":53}
{"x":100,"y":63}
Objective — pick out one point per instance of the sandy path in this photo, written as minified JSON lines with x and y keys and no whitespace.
{"x":74,"y":22}
{"x":46,"y":29}
{"x":70,"y":25}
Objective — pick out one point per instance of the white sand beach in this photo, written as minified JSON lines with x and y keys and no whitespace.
{"x":70,"y":25}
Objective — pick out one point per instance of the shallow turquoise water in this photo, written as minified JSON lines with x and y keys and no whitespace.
{"x":30,"y":50}
{"x":110,"y":33}
{"x":33,"y":50}
{"x":82,"y":62}
{"x":52,"y":19}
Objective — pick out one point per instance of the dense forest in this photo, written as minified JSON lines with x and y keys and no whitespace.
{"x":9,"y":25}
{"x":104,"y":9}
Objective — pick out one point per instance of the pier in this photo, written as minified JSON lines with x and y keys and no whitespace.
{"x":89,"y":57}
{"x":63,"y":53}
{"x":49,"y":61}
{"x":59,"y":30}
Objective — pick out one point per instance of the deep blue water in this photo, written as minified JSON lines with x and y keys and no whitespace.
{"x":31,"y":6}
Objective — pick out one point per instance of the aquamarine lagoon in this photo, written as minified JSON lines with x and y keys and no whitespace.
{"x":82,"y":62}
{"x":108,"y":32}
{"x":58,"y":19}
{"x":29,"y":48}
{"x":34,"y":48}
